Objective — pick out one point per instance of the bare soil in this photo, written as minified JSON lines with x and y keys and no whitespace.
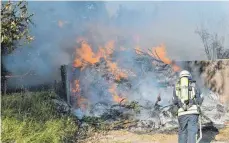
{"x":123,"y":136}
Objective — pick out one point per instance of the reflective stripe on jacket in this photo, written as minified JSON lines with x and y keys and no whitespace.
{"x":191,"y":110}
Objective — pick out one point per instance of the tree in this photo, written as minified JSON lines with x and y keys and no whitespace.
{"x":15,"y":20}
{"x":213,"y":45}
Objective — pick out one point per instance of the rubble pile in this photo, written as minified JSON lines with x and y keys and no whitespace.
{"x":124,"y":91}
{"x":156,"y":118}
{"x":213,"y":110}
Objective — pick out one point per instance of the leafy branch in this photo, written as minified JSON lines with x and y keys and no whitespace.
{"x":15,"y":25}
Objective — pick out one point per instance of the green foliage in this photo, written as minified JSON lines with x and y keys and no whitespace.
{"x":92,"y":120}
{"x":31,"y":117}
{"x":97,"y":123}
{"x":15,"y":21}
{"x":135,"y":106}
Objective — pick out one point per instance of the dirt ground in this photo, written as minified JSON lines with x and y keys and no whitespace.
{"x":122,"y":136}
{"x":223,"y":135}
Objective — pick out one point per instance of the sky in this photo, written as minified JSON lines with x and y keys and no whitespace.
{"x":174,"y":23}
{"x":169,"y":23}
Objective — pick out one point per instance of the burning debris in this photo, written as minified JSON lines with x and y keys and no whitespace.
{"x":121,"y":90}
{"x":100,"y":72}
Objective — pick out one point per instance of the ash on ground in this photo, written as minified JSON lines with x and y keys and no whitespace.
{"x":154,"y":117}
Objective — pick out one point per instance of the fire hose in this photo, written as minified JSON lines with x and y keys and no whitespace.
{"x":200,"y":125}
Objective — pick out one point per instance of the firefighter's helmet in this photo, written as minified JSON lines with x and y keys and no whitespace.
{"x":185,"y":73}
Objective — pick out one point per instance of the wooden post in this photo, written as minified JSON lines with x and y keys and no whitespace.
{"x":65,"y":83}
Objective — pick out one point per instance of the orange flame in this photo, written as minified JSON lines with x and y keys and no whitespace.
{"x":113,"y":91}
{"x":113,"y":68}
{"x":160,"y":53}
{"x":77,"y":86}
{"x":107,"y":51}
{"x":85,"y":54}
{"x":81,"y":102}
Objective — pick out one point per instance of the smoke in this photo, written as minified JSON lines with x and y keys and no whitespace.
{"x":55,"y":30}
{"x":58,"y":24}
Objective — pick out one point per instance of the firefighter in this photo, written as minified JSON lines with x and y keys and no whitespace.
{"x":187,"y":98}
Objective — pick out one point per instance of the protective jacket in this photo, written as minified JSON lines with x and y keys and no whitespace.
{"x":191,"y":96}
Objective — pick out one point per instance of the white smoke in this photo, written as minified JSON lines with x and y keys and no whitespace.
{"x":171,"y":23}
{"x":59,"y":24}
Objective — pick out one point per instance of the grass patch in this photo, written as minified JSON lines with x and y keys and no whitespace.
{"x":32,"y":117}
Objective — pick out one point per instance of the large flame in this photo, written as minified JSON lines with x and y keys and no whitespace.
{"x":160,"y":53}
{"x":86,"y":55}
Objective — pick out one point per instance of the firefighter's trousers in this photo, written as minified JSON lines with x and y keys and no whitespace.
{"x":188,"y":128}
